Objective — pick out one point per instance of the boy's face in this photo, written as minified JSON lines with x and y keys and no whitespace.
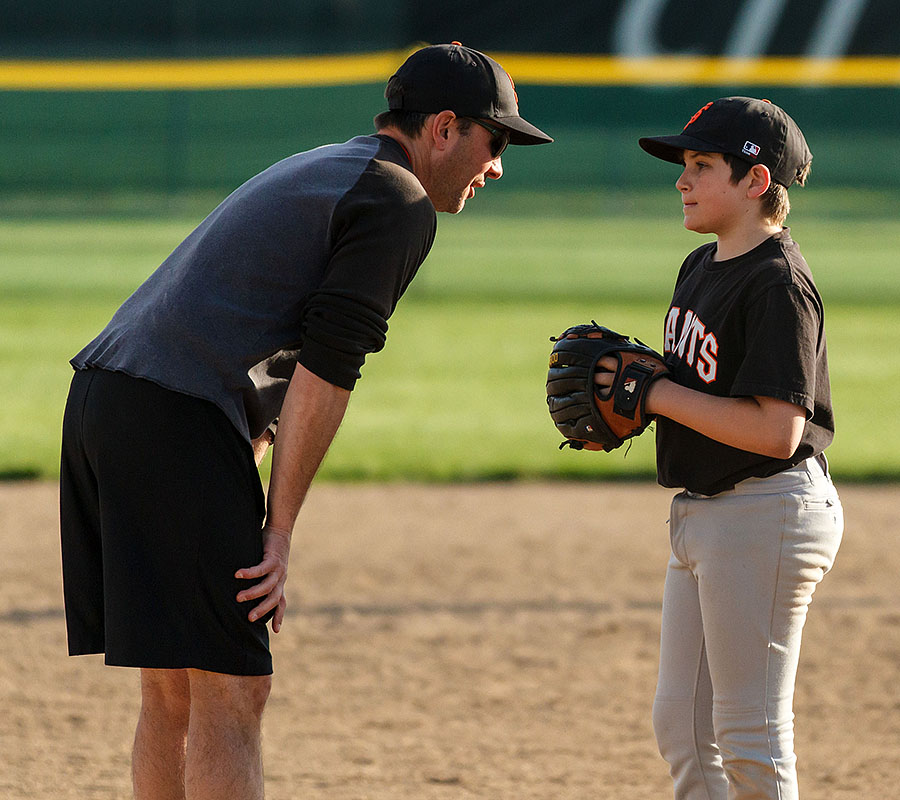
{"x":710,"y":201}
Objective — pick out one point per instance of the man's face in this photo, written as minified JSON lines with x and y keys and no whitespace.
{"x":465,"y":166}
{"x":710,"y":201}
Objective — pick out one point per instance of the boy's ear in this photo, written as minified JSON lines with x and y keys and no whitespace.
{"x":760,"y":180}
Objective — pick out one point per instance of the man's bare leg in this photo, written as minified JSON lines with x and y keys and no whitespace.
{"x":158,"y":757}
{"x":224,"y":755}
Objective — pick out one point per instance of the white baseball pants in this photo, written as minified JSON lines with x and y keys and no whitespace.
{"x":744,"y":566}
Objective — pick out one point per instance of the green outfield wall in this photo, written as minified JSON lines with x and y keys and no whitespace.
{"x":176,"y":140}
{"x":196,"y":94}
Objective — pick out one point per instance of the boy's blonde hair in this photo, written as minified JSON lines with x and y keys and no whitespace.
{"x":776,"y":204}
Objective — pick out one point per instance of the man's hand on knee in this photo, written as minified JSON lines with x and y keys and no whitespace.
{"x":273,"y":570}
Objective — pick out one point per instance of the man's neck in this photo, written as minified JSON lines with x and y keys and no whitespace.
{"x":415,"y":152}
{"x":408,"y":145}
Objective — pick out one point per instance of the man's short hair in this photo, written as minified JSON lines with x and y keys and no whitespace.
{"x":407,"y":122}
{"x":411,"y":123}
{"x":775,"y":202}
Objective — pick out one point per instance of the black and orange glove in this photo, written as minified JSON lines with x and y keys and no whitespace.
{"x":596,"y":417}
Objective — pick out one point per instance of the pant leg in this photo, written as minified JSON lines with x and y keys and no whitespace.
{"x":80,"y":539}
{"x":758,"y":554}
{"x":682,"y":709}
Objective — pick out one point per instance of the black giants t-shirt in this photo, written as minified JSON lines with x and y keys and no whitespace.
{"x":751,"y":325}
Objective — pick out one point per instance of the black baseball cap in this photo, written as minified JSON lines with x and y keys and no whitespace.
{"x":754,"y":130}
{"x":451,"y":77}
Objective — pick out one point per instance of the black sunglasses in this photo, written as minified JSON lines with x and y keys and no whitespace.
{"x":500,"y":141}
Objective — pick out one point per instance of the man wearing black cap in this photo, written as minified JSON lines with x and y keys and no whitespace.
{"x":743,"y":420}
{"x":256,"y":324}
{"x":469,"y":89}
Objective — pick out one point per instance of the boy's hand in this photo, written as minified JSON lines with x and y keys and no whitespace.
{"x":605,"y":372}
{"x":596,"y":386}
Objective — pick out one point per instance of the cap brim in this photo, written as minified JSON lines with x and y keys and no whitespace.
{"x":671,"y":148}
{"x":522,"y":132}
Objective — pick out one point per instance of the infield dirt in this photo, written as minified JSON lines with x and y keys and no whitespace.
{"x":485,"y":641}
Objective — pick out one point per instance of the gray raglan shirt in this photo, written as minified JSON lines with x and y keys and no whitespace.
{"x":304,"y":262}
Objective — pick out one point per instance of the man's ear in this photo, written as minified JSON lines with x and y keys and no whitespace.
{"x":440,"y":127}
{"x":760,"y":180}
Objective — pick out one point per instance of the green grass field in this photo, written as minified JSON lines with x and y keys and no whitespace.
{"x":458,"y":393}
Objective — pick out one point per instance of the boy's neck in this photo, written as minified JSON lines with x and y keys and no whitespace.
{"x":743,"y":239}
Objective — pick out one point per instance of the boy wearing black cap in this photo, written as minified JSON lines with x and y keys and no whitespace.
{"x":741,"y":428}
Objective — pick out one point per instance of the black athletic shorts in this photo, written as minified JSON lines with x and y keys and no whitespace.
{"x":160,"y":504}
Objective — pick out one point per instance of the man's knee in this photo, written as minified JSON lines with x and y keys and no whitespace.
{"x":238,"y":696}
{"x":166,"y":692}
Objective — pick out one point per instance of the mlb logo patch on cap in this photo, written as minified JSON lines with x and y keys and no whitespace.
{"x":750,"y":149}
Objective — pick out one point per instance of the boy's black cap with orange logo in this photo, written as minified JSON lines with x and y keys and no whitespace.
{"x":451,"y":77}
{"x":754,"y":130}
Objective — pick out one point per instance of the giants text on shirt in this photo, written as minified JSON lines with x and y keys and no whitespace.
{"x":696,"y":346}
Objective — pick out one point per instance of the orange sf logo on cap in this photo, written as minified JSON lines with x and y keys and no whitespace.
{"x":512,"y":83}
{"x":696,"y":116}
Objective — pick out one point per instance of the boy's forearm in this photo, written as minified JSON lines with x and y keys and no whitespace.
{"x":757,"y":424}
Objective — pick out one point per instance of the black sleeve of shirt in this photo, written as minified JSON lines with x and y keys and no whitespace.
{"x":783,"y":334}
{"x":381,"y":232}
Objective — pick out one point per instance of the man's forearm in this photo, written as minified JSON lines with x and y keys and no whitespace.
{"x":310,"y":416}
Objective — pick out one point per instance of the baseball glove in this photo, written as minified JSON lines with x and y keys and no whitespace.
{"x":595,"y":417}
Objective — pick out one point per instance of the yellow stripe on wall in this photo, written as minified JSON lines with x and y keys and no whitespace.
{"x":260,"y":73}
{"x":671,"y":70}
{"x":215,"y":73}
